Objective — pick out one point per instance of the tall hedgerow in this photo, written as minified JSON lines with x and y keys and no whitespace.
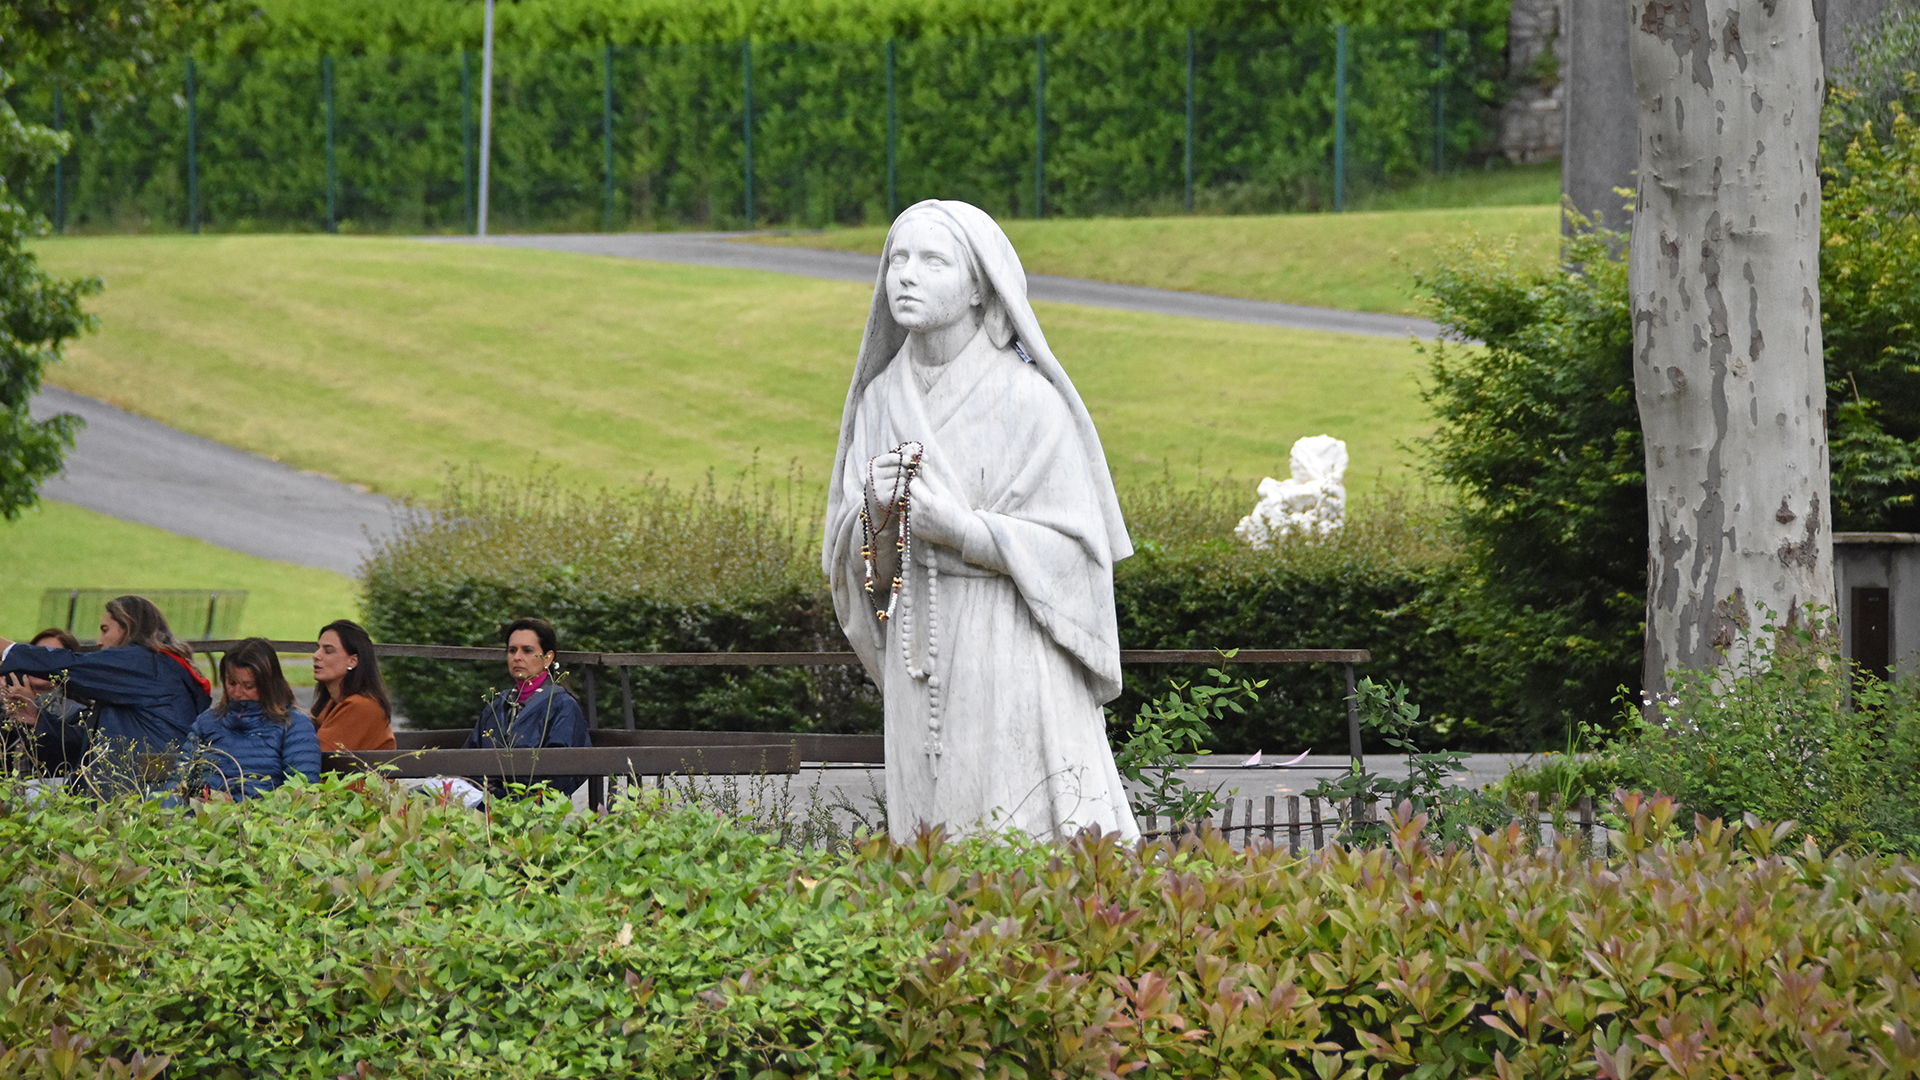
{"x":374,"y":26}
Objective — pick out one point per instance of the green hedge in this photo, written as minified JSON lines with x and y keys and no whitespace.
{"x":714,"y":570}
{"x":321,"y":932}
{"x":405,"y":142}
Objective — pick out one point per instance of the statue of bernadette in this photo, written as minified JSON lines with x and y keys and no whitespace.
{"x":1003,"y":644}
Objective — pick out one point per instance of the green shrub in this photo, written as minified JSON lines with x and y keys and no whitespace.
{"x":1794,"y":731}
{"x":653,"y":570}
{"x":322,"y":931}
{"x":732,"y":569}
{"x":1538,"y":430}
{"x":1869,"y":307}
{"x":1388,"y":582}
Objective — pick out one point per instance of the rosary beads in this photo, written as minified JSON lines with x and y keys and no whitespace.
{"x":903,"y":544}
{"x":911,"y":454}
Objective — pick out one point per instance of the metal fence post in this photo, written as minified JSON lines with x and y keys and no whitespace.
{"x":486,"y":121}
{"x":1359,"y":763}
{"x":1189,"y":119}
{"x":1440,"y":103}
{"x":746,"y":76}
{"x":326,"y":80}
{"x":59,"y":171}
{"x":1340,"y":118}
{"x":193,"y":154}
{"x":466,"y":135}
{"x":606,"y":133}
{"x":893,"y":139}
{"x":1040,"y":126}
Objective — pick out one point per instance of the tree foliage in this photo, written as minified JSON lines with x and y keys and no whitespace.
{"x":103,"y":51}
{"x":1538,"y":429}
{"x":1870,"y":310}
{"x":37,"y":314}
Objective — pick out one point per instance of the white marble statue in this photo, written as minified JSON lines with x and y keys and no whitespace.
{"x":1002,"y":643}
{"x":1312,"y":503}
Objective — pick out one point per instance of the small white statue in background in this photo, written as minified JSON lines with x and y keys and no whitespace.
{"x":1313,"y":502}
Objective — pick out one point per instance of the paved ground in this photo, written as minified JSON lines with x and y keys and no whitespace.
{"x":726,"y":250}
{"x":850,"y":793}
{"x":141,"y":470}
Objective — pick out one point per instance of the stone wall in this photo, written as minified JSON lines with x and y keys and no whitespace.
{"x":1532,"y":123}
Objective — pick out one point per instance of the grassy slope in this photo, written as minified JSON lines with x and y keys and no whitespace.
{"x":63,"y":546}
{"x":1357,"y":261}
{"x":385,"y":361}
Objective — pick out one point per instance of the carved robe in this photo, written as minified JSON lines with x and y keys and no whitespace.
{"x":1015,"y":630}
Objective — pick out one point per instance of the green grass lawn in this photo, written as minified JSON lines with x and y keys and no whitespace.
{"x":60,"y":546}
{"x":1357,"y":261}
{"x":1497,"y":184}
{"x":386,"y":361}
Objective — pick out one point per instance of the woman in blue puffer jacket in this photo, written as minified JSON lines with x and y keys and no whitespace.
{"x":255,"y":739}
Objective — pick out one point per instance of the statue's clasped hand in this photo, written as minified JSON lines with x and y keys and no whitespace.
{"x":937,"y":516}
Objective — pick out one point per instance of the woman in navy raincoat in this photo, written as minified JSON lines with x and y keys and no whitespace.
{"x":536,"y":711}
{"x":143,"y":684}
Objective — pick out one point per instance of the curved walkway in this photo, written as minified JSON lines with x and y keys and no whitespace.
{"x":137,"y":469}
{"x":726,"y":250}
{"x":141,"y":470}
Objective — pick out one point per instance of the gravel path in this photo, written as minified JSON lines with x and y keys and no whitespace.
{"x":726,"y":250}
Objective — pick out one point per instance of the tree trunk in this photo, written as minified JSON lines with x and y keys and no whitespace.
{"x":1724,"y":273}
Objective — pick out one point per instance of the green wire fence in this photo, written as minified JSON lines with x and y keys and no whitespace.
{"x":776,"y":134}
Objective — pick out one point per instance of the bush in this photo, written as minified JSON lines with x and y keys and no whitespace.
{"x":733,"y":570}
{"x":653,"y":570}
{"x":1869,"y":307}
{"x":1793,"y":732}
{"x":322,"y":931}
{"x":1386,"y":583}
{"x":1539,"y":431}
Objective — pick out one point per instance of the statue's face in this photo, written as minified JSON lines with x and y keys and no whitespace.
{"x":928,"y":283}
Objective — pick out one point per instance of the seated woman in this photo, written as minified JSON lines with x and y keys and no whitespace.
{"x":254,"y":740}
{"x":59,"y":738}
{"x":537,"y":711}
{"x":350,"y":705}
{"x":142,"y":681}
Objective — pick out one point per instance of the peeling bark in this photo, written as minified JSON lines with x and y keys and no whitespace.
{"x":1724,"y":272}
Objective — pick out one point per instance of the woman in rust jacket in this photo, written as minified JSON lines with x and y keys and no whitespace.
{"x":350,"y":703}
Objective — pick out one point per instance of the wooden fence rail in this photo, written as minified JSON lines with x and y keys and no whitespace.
{"x":624,"y":663}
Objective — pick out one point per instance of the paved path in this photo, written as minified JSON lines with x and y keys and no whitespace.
{"x":727,"y":250}
{"x":851,"y":794}
{"x":141,"y":470}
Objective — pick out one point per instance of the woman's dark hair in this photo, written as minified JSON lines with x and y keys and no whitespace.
{"x":541,"y":628}
{"x":145,"y":626}
{"x":363,"y":677}
{"x":66,"y":640}
{"x":257,"y":655}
